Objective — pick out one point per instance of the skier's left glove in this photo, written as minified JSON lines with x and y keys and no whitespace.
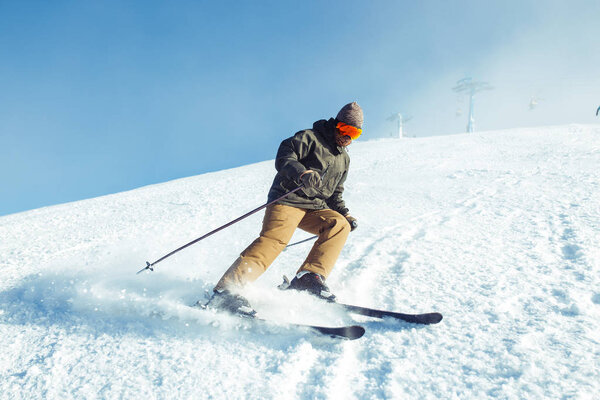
{"x":352,"y":221}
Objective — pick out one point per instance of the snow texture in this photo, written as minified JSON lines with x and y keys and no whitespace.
{"x":499,"y":231}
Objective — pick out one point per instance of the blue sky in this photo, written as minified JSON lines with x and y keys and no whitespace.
{"x":98,"y":97}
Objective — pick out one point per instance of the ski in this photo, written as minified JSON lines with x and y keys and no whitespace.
{"x":349,"y":332}
{"x":425,"y":319}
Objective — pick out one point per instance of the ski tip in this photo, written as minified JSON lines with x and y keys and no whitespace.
{"x":351,"y":332}
{"x":356,"y":332}
{"x":432,"y":318}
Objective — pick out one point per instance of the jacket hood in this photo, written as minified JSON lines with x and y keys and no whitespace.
{"x":326,"y":127}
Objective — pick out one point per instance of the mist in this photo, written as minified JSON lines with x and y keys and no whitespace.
{"x":545,"y":74}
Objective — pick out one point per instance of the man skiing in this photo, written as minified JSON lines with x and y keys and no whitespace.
{"x":317,"y":159}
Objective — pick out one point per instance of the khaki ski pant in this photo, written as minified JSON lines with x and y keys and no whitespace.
{"x":279,"y":224}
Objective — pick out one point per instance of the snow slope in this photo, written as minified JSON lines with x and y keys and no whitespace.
{"x":499,"y":231}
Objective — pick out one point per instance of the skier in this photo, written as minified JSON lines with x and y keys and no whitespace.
{"x":317,"y":159}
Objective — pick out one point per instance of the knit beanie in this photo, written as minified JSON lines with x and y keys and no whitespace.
{"x":351,"y":114}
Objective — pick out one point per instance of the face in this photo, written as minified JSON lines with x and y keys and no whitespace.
{"x":344,"y":134}
{"x":342,"y":140}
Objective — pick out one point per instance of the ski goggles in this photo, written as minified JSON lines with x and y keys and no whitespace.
{"x":349,"y":130}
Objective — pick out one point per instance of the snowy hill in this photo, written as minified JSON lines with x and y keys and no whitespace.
{"x":499,"y":231}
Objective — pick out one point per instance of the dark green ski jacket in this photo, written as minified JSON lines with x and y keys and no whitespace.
{"x":317,"y":150}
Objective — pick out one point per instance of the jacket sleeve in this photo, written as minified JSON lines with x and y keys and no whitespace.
{"x":336,"y":202}
{"x":291,"y":152}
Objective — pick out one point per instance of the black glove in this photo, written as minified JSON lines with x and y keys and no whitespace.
{"x":310,"y":179}
{"x":352,"y":221}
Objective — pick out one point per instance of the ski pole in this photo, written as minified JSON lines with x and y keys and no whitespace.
{"x":353,"y":224}
{"x":302,"y":241}
{"x":151,"y":265}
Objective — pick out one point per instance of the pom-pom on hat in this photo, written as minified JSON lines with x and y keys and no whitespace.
{"x":351,"y":114}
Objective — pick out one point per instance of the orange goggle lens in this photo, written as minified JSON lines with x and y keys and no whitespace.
{"x":349,"y":130}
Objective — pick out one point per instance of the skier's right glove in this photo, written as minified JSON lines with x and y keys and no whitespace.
{"x":311,"y":181}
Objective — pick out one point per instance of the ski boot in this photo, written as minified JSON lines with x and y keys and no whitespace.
{"x":224,"y":300}
{"x":311,"y":283}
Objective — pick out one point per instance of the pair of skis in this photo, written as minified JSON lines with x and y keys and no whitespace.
{"x":353,"y":332}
